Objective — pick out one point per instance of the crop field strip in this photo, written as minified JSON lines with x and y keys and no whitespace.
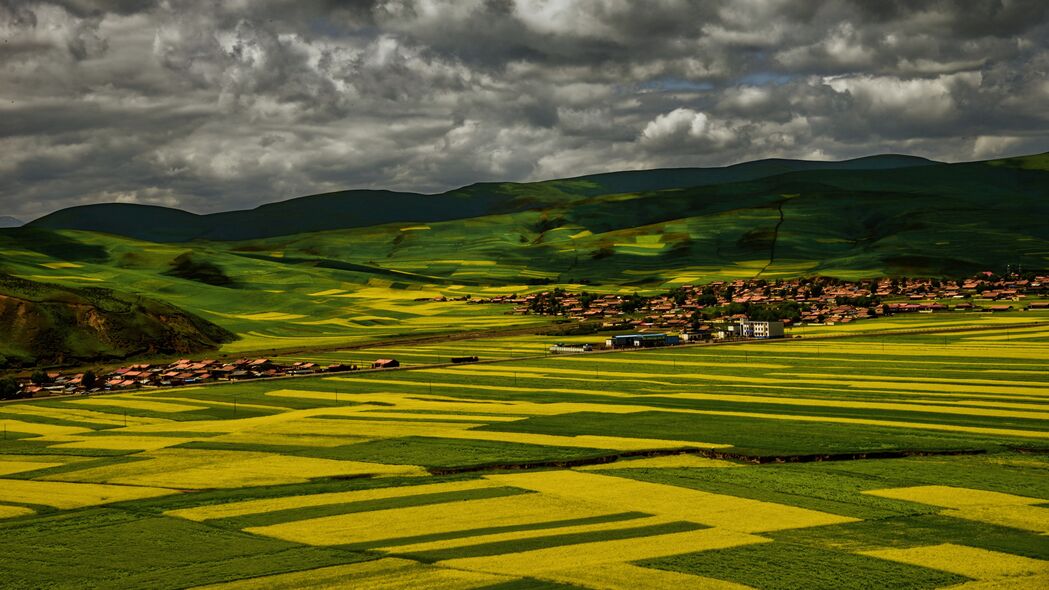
{"x":338,"y":471}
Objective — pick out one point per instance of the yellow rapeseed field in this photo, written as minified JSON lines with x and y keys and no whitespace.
{"x":727,"y":512}
{"x":526,"y":534}
{"x":65,"y":495}
{"x":123,"y":443}
{"x":624,"y":576}
{"x":979,"y":505}
{"x":8,"y":467}
{"x":1031,"y":518}
{"x":380,"y":574}
{"x":438,"y":518}
{"x":13,"y":511}
{"x":72,"y":415}
{"x":203,"y":469}
{"x":425,"y":385}
{"x":262,"y":437}
{"x":40,"y":428}
{"x":667,"y":461}
{"x":839,"y":403}
{"x":979,"y":564}
{"x":137,"y":404}
{"x":952,"y":497}
{"x":545,"y":562}
{"x":619,"y":360}
{"x":214,"y":511}
{"x":889,"y":423}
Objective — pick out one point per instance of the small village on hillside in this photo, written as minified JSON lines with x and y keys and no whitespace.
{"x":819,"y":300}
{"x":719,"y":311}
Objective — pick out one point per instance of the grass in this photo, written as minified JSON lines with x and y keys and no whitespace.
{"x":312,"y":475}
{"x":331,"y":282}
{"x":435,"y":452}
{"x":784,"y":566}
{"x":66,"y":551}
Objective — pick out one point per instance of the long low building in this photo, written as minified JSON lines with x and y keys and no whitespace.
{"x":642,"y":341}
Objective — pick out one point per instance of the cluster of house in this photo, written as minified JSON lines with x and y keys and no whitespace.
{"x":738,"y":329}
{"x":182,"y":372}
{"x":794,"y":301}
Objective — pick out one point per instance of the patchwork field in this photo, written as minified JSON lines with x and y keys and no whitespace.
{"x":905,"y":461}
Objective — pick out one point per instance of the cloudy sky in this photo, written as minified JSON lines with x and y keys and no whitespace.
{"x":215,"y":105}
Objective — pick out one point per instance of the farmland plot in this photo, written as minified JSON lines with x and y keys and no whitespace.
{"x":678,"y":467}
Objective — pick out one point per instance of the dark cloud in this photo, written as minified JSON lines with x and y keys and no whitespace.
{"x":217,"y":105}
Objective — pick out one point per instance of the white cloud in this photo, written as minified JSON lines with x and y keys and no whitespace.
{"x":687,"y":129}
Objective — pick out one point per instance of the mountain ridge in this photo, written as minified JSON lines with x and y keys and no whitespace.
{"x":357,"y":207}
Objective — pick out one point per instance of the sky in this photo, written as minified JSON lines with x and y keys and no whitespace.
{"x":219,"y":105}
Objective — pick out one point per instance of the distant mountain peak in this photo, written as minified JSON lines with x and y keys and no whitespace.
{"x":8,"y":221}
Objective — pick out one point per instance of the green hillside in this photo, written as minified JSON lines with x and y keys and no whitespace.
{"x":888,"y":215}
{"x":45,"y":323}
{"x":362,"y":208}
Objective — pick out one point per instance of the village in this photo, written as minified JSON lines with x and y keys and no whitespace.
{"x":714,"y":307}
{"x":178,"y":373}
{"x":718,"y":311}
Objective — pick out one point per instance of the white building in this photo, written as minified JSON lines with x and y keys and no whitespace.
{"x":761,"y":329}
{"x":750,"y":329}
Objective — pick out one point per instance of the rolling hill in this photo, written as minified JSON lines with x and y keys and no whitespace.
{"x":349,"y":267}
{"x":363,"y":208}
{"x":45,"y":324}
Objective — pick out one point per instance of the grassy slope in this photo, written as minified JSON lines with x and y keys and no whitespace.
{"x":360,"y":208}
{"x":866,"y":218}
{"x":48,"y":323}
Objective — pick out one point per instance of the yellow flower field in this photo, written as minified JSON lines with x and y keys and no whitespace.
{"x":952,"y":497}
{"x":72,"y":415}
{"x":546,"y":562}
{"x":422,"y":385}
{"x":380,"y":574}
{"x":664,"y":462}
{"x":526,"y":534}
{"x":440,"y":518}
{"x":203,"y":469}
{"x":72,"y":495}
{"x":979,"y":505}
{"x":839,"y":403}
{"x":138,"y":404}
{"x":979,"y":564}
{"x":40,"y":428}
{"x":14,"y":511}
{"x":8,"y":467}
{"x":730,"y":513}
{"x":624,"y":576}
{"x":1031,"y":518}
{"x":122,"y":443}
{"x":214,"y":511}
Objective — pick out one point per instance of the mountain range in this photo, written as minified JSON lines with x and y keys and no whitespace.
{"x":362,"y":208}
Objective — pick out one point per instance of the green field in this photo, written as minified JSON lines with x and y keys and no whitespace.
{"x":681,"y":467}
{"x":337,"y":270}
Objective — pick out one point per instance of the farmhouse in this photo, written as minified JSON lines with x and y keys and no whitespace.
{"x":385,"y":364}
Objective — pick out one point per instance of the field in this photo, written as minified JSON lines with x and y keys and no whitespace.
{"x":910,"y":461}
{"x":340,"y":269}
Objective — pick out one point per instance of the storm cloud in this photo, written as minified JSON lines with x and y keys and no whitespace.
{"x":212,"y":106}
